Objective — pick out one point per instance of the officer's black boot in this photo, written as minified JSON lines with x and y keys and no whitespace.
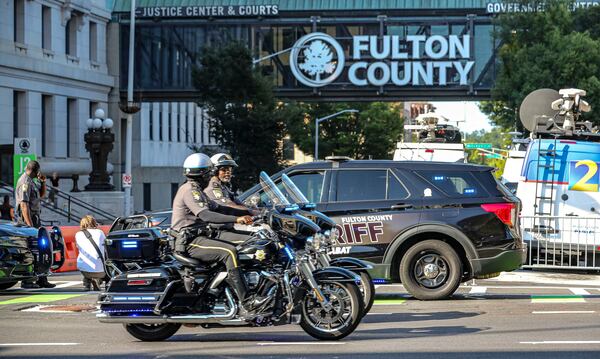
{"x":237,"y":282}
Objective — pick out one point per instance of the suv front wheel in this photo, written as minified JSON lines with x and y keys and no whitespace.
{"x":431,"y":270}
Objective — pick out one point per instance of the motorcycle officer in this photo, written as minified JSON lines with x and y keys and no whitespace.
{"x":219,"y":186}
{"x":193,"y":212}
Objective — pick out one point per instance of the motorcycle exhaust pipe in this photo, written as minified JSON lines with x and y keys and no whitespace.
{"x":179,"y":319}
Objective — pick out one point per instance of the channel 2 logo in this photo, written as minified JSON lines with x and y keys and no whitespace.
{"x":317,"y":59}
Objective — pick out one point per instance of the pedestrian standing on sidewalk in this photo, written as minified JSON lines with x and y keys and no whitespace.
{"x":54,"y":189}
{"x":90,"y":261}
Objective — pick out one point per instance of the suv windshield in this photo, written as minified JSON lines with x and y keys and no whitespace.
{"x":271,"y":191}
{"x":293,"y":191}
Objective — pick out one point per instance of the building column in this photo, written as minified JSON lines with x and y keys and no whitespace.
{"x":31,"y":125}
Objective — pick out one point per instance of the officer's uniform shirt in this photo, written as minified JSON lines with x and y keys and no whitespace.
{"x":191,"y":207}
{"x":27,"y":192}
{"x":220,"y":193}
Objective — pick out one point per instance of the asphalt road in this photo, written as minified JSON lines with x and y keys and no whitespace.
{"x":528,"y":318}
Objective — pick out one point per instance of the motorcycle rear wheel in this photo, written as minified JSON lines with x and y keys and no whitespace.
{"x":346,"y":314}
{"x":152,"y":332}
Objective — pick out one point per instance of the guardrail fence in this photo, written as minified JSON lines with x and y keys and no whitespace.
{"x":568,"y":242}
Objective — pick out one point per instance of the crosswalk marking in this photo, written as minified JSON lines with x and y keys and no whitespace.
{"x":579,"y":291}
{"x":478,"y":290}
{"x":39,"y":298}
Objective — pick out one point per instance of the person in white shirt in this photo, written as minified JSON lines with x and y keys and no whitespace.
{"x":90,"y":261}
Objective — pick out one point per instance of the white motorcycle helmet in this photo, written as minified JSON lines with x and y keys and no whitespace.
{"x":223,"y":160}
{"x":197,"y":165}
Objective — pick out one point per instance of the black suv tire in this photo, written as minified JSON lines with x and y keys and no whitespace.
{"x":442,"y":261}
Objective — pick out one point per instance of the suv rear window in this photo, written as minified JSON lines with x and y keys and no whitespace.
{"x":454,"y":184}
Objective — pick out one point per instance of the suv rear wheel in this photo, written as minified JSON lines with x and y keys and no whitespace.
{"x":431,"y":270}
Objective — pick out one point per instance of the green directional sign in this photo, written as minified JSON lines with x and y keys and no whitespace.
{"x":472,"y":146}
{"x":19,"y":164}
{"x":492,"y":155}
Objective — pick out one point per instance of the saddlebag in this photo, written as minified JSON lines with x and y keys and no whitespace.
{"x":134,"y":245}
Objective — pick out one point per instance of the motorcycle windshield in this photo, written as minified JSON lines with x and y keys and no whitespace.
{"x":293,"y":191}
{"x":271,"y":191}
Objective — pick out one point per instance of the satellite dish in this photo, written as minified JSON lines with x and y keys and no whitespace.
{"x":537,"y":106}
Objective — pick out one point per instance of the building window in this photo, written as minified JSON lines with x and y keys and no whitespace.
{"x":195,"y":121}
{"x":147,"y":196}
{"x":174,"y":188}
{"x":160,"y":124}
{"x":18,"y":98}
{"x":71,"y":103}
{"x":93,"y":41}
{"x":151,"y":123}
{"x":19,"y":21}
{"x":170,"y":124}
{"x":46,"y":27}
{"x":178,"y":127}
{"x":45,"y":105}
{"x":71,"y":36}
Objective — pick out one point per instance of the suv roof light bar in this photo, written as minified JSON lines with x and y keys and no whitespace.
{"x":338,"y":158}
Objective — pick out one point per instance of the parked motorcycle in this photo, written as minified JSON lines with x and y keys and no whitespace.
{"x":325,"y":240}
{"x":154,"y":302}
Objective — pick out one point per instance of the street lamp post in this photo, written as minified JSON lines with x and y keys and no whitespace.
{"x":319,"y":120}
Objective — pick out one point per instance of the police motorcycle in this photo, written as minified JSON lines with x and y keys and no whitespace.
{"x":154,"y":302}
{"x":324,"y":241}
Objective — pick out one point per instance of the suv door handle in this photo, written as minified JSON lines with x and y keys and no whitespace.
{"x":401,"y":206}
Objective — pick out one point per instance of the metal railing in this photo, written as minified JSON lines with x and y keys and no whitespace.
{"x":568,"y":242}
{"x":72,"y":209}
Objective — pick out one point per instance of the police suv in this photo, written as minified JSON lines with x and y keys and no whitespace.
{"x":428,"y":225}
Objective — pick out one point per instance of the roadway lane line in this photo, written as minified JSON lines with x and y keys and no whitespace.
{"x":579,"y":291}
{"x":67,"y":284}
{"x":299,"y":343}
{"x":564,"y":312}
{"x":551,"y":342}
{"x":35,"y":344}
{"x":557,"y":299}
{"x":478,"y":290}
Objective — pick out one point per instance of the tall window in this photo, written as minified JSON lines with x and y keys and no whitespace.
{"x":46,"y":27}
{"x":93,"y":41}
{"x":71,"y":36}
{"x":178,"y":127}
{"x":151,"y":123}
{"x":19,"y":21}
{"x":194,"y":119}
{"x":160,"y":124}
{"x":71,"y":103}
{"x":45,"y":117}
{"x":174,"y":188}
{"x":169,"y":119}
{"x":18,"y":98}
{"x":147,"y":196}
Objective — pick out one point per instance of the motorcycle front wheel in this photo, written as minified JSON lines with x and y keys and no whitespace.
{"x":368,"y":291}
{"x":152,"y":332}
{"x":338,"y":321}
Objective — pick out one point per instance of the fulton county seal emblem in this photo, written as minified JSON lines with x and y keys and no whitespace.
{"x":317,"y":59}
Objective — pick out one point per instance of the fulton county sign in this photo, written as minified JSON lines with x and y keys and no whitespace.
{"x":317,"y":59}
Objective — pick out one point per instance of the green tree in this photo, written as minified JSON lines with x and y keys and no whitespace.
{"x":556,"y":48}
{"x":371,"y":133}
{"x":244,"y":116}
{"x":499,"y":140}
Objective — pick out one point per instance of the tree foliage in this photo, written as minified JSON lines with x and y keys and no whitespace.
{"x":371,"y":133}
{"x":499,"y":140}
{"x":244,"y":116}
{"x":556,"y":48}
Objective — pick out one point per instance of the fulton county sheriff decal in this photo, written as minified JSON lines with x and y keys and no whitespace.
{"x":207,"y":11}
{"x":361,"y":229}
{"x":317,"y":59}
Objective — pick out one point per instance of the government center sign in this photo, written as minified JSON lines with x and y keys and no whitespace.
{"x":317,"y":60}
